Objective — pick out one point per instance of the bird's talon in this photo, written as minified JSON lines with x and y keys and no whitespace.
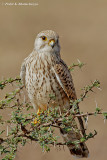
{"x":36,"y":121}
{"x":38,"y":112}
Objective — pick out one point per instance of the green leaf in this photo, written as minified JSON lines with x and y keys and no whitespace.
{"x":82,"y":139}
{"x":105,"y":115}
{"x":2,"y":86}
{"x":98,"y":109}
{"x":2,"y":132}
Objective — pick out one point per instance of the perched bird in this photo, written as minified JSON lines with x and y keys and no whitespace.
{"x":44,"y":73}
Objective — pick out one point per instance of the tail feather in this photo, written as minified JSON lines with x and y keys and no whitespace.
{"x":71,"y":136}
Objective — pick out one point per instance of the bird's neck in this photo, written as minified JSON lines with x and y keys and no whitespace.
{"x":51,"y":57}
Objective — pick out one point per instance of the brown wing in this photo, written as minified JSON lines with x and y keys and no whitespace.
{"x":65,"y":80}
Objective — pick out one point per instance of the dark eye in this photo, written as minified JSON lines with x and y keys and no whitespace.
{"x":44,"y":38}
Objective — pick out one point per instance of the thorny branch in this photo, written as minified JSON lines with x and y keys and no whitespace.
{"x":9,"y":81}
{"x":21,"y":123}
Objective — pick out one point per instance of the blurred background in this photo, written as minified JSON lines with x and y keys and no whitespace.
{"x":82,"y":27}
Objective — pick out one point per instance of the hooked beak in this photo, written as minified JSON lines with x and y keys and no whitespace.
{"x":52,"y":43}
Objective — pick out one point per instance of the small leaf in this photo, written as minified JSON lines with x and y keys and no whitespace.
{"x":98,"y":109}
{"x":105,"y":115}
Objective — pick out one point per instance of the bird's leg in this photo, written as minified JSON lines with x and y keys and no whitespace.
{"x":36,"y":120}
{"x":39,"y":110}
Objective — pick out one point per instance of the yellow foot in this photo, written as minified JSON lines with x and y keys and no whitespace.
{"x":35,"y":121}
{"x":39,"y":110}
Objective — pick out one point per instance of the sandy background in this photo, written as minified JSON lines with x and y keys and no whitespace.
{"x":82,"y":26}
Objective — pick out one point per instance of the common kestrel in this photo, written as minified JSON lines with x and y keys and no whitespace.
{"x":44,"y":73}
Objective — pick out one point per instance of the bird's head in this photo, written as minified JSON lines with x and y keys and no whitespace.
{"x":47,"y":41}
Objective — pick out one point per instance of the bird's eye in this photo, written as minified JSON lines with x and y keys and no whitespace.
{"x":44,"y":38}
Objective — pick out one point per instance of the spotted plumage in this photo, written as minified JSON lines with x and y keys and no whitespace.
{"x":44,"y":73}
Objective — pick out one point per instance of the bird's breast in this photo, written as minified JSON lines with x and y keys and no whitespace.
{"x":41,"y":82}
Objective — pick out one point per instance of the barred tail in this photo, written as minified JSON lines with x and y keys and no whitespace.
{"x":81,"y":150}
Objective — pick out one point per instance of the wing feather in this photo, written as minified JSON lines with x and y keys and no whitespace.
{"x":65,"y":80}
